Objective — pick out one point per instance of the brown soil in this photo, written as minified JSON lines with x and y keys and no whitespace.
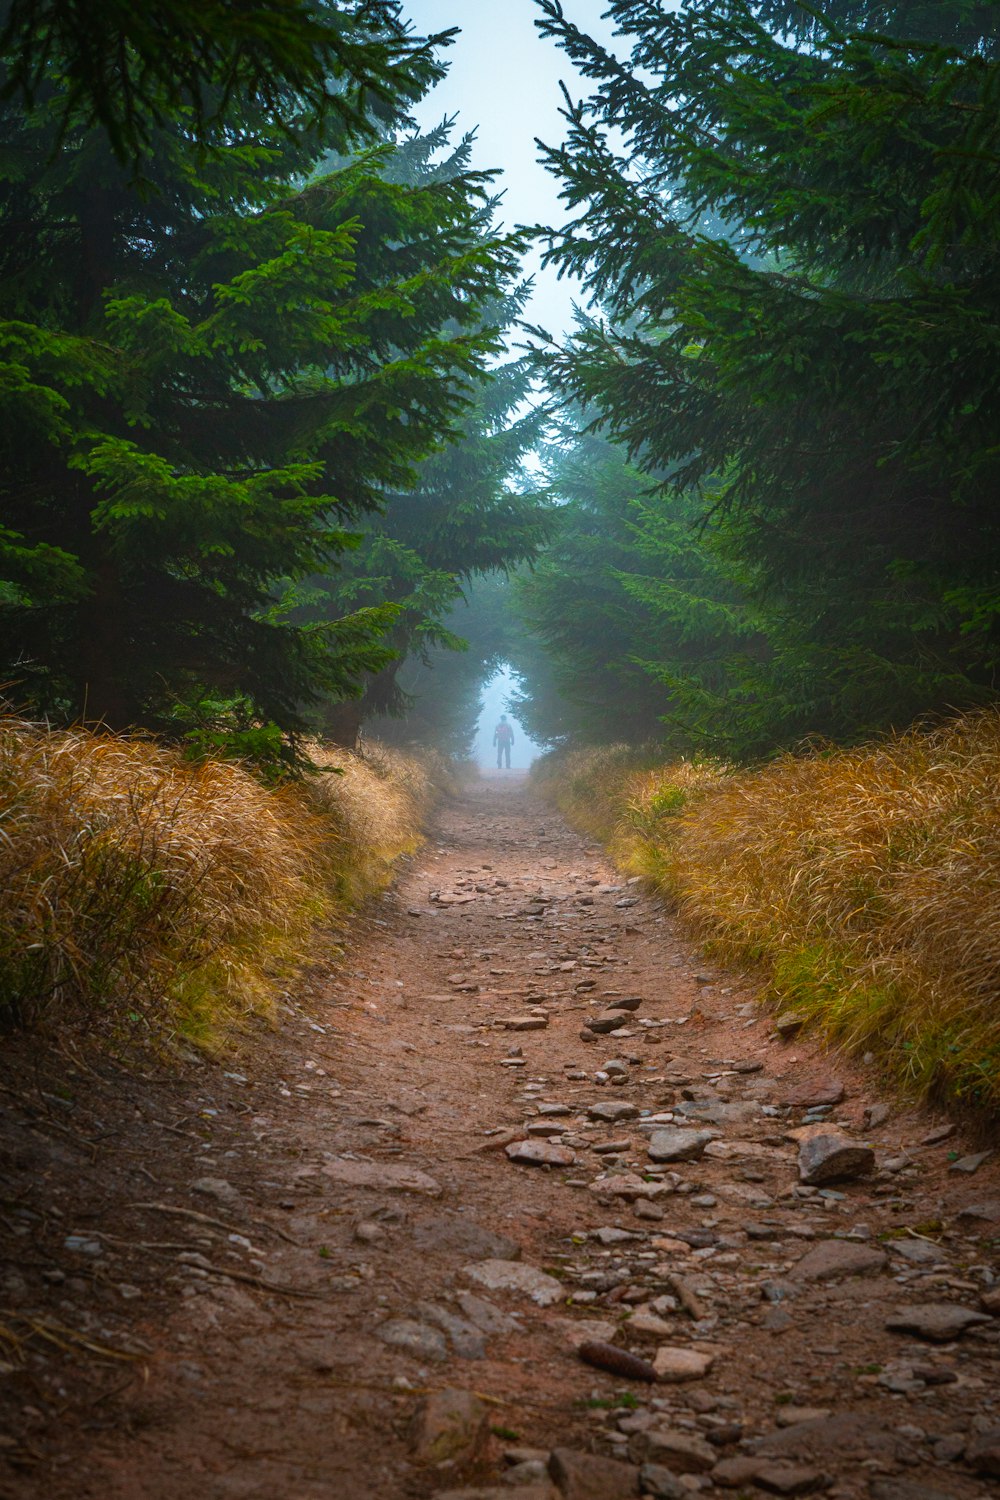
{"x":146,"y":1352}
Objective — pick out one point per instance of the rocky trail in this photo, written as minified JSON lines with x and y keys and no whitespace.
{"x":520,"y":1198}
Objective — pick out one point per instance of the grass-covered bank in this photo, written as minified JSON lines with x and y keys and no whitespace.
{"x":865,"y":882}
{"x":142,"y":894}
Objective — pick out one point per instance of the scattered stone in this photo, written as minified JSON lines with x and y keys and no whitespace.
{"x":451,"y":1426}
{"x":413,"y":1338}
{"x":673,"y":1365}
{"x":937,"y":1321}
{"x":876,"y":1115}
{"x":987,"y":1212}
{"x":524,"y":1023}
{"x":579,"y":1331}
{"x":515,"y":1276}
{"x":539,"y":1154}
{"x":676,"y":1144}
{"x":833,"y":1158}
{"x":368,"y":1232}
{"x":383,"y":1177}
{"x":466,"y":1340}
{"x":608,"y":1235}
{"x":649,"y":1325}
{"x":611,"y":1148}
{"x":990,"y":1301}
{"x":814,"y":1095}
{"x":678,"y":1451}
{"x":788,"y":1025}
{"x":501,"y":1492}
{"x":643,"y":1209}
{"x":776,"y":1478}
{"x":551,"y":1111}
{"x":629,"y":1186}
{"x":970,"y":1164}
{"x":584,"y":1476}
{"x":838,"y":1438}
{"x":834,"y":1258}
{"x":626,"y":1002}
{"x":546,"y":1128}
{"x":904,"y":1489}
{"x":613,"y":1111}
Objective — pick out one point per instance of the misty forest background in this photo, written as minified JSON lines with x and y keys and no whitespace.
{"x":280,"y":456}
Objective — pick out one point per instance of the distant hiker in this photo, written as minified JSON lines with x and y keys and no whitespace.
{"x":503,"y":738}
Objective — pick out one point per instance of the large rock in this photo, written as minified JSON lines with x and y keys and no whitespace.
{"x":675,"y":1144}
{"x":452,"y":1427}
{"x":937,"y":1321}
{"x":584,"y":1476}
{"x":674,"y":1366}
{"x":538,"y":1153}
{"x":833,"y":1258}
{"x":678,"y":1451}
{"x":382,"y":1177}
{"x":833,"y":1158}
{"x":515,"y":1276}
{"x":838,"y":1438}
{"x":608,"y":1020}
{"x":662,"y":1483}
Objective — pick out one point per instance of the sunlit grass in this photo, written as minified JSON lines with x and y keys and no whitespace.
{"x":142,"y":894}
{"x":866,"y":881}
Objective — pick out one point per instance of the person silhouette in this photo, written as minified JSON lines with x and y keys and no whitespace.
{"x":503,"y":738}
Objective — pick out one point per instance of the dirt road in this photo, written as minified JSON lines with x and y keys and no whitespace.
{"x":299,"y":1248}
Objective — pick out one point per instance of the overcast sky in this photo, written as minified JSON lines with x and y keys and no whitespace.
{"x":503,"y":82}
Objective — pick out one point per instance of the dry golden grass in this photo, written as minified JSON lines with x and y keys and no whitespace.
{"x":866,"y":881}
{"x":138,"y":891}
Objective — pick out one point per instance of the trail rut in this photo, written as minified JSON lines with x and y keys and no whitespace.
{"x":284,"y":1255}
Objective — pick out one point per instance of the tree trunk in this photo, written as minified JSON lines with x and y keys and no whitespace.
{"x":342,"y":723}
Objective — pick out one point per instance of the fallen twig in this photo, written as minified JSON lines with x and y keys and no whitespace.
{"x":200,"y":1218}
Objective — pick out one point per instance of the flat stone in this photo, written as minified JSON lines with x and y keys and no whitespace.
{"x":990,"y":1301}
{"x":466,"y":1340}
{"x":776,"y":1478}
{"x":613,"y":1111}
{"x":717,"y":1112}
{"x":606,"y":1021}
{"x":649,"y":1325}
{"x":626,"y":1002}
{"x":523,"y":1023}
{"x":539,"y":1154}
{"x":678,"y":1451}
{"x":919,"y":1252}
{"x":585,"y":1476}
{"x":673,"y":1365}
{"x":413,"y":1338}
{"x":675,"y":1144}
{"x":451,"y":1426}
{"x":970,"y":1163}
{"x":938,"y":1134}
{"x":833,"y":1158}
{"x":465,"y":1238}
{"x":483,"y":1314}
{"x":986,"y":1212}
{"x":577,"y":1331}
{"x":515,"y":1276}
{"x":382,"y":1177}
{"x":842,"y":1436}
{"x":983,"y":1453}
{"x":609,"y":1235}
{"x":629,"y":1186}
{"x":788,"y":1024}
{"x":544,"y":1491}
{"x":553,"y":1110}
{"x":937,"y":1321}
{"x":834,"y":1258}
{"x":811,"y":1095}
{"x":546,"y":1128}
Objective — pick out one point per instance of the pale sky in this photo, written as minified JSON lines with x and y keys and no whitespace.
{"x":503,"y":81}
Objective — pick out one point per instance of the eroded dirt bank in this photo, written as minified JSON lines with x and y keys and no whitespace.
{"x":298,"y":1246}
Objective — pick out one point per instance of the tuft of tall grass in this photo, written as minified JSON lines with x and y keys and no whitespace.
{"x":141,"y":892}
{"x":866,"y":881}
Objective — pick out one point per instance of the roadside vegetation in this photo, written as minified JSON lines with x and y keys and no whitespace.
{"x":865,"y":883}
{"x":147,"y":899}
